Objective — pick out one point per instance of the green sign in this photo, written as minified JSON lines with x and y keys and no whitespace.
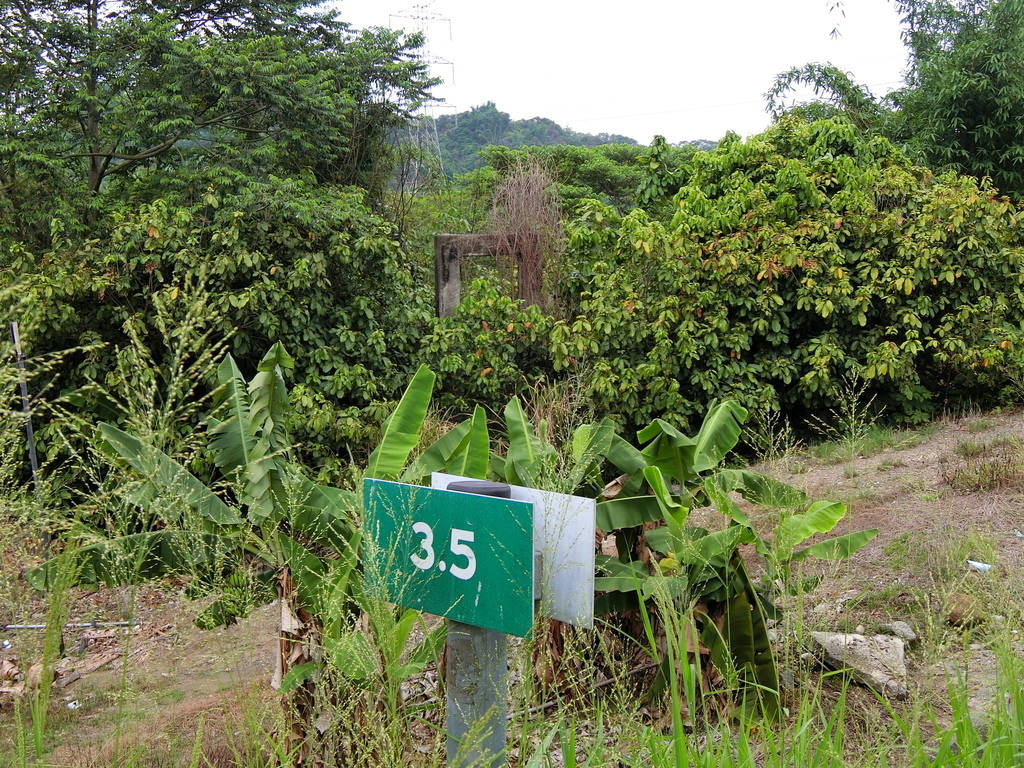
{"x":457,"y":555}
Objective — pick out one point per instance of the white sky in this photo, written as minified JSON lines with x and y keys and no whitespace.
{"x":686,"y":70}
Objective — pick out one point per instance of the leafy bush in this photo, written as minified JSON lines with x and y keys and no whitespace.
{"x":309,"y":265}
{"x":804,"y":257}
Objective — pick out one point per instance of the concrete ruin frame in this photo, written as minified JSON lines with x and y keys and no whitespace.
{"x":448,"y":253}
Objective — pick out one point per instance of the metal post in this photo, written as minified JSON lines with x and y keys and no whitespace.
{"x":27,"y":410}
{"x":476,"y":678}
{"x":25,"y":405}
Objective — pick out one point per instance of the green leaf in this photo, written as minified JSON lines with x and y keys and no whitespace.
{"x":401,"y":430}
{"x":820,"y":517}
{"x":628,"y":512}
{"x":625,"y":456}
{"x":298,"y":675}
{"x":262,"y":488}
{"x":353,"y":655}
{"x":837,"y":548}
{"x":615,"y":602}
{"x":718,"y":435}
{"x":232,"y":441}
{"x":672,"y":511}
{"x":526,"y":450}
{"x":170,"y":479}
{"x":744,"y":646}
{"x":428,"y":650}
{"x":615,"y":567}
{"x":473,"y":456}
{"x":590,"y":442}
{"x":439,"y":453}
{"x":268,"y":398}
{"x":619,"y":583}
{"x":308,"y":572}
{"x":760,"y":489}
{"x":669,"y":450}
{"x":321,"y":513}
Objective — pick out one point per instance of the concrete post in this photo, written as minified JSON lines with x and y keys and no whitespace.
{"x":476,"y":678}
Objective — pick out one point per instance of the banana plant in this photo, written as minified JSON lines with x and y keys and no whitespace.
{"x":267,"y":531}
{"x":647,"y":511}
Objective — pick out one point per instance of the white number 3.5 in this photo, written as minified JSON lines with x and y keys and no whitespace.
{"x":459,"y":547}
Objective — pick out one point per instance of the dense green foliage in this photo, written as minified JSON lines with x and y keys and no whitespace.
{"x":804,"y":256}
{"x":963,"y":106}
{"x":92,"y":94}
{"x":234,"y":151}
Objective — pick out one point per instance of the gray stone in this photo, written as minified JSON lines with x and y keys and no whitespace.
{"x":878,"y":661}
{"x":902,"y":630}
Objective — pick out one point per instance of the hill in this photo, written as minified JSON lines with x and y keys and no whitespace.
{"x":461,"y":136}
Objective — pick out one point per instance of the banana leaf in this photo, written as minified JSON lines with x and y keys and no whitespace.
{"x":589,"y":443}
{"x":168,"y":477}
{"x":231,"y":440}
{"x":428,"y":650}
{"x":353,"y":655}
{"x":718,"y":434}
{"x":268,"y":398}
{"x":838,"y":548}
{"x":760,"y":489}
{"x":669,"y":450}
{"x":527,"y":450}
{"x":820,"y":517}
{"x":472,"y":456}
{"x":615,"y":602}
{"x":137,"y":558}
{"x":297,"y":675}
{"x":321,"y":513}
{"x":615,"y":567}
{"x":308,"y":572}
{"x":401,"y":430}
{"x":627,"y":512}
{"x":463,"y":450}
{"x":697,"y":546}
{"x":629,"y":460}
{"x":744,"y":645}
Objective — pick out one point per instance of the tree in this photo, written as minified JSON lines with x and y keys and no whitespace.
{"x":98,"y":90}
{"x":237,"y":148}
{"x":963,"y":106}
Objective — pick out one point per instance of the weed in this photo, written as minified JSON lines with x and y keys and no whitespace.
{"x":980,"y":425}
{"x":890,"y":463}
{"x":851,"y":419}
{"x":979,"y":466}
{"x":772,"y":437}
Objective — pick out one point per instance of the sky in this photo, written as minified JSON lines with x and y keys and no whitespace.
{"x":678,"y":68}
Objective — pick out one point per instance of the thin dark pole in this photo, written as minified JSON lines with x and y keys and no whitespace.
{"x":27,"y":410}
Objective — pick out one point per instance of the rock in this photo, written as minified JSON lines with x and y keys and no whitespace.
{"x":963,"y":610}
{"x":878,"y":661}
{"x":902,"y":630}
